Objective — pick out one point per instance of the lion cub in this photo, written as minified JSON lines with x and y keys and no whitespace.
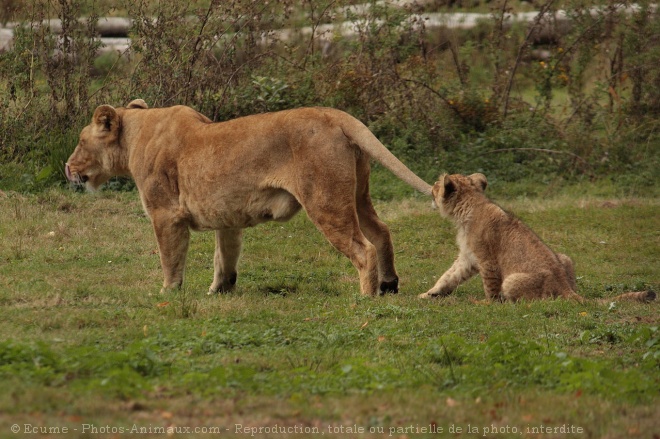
{"x":512,"y":260}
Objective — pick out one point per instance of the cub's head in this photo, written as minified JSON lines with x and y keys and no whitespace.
{"x":99,"y":155}
{"x":450,"y":190}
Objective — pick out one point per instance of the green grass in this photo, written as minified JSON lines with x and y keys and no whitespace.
{"x":88,"y":343}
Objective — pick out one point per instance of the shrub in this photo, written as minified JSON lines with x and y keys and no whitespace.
{"x":456,"y":98}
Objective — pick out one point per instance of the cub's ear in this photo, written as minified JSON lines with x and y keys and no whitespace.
{"x":479,"y":180}
{"x":137,"y":103}
{"x":450,"y":186}
{"x":436,"y":189}
{"x":106,"y":118}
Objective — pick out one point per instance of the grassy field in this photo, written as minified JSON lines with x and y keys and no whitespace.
{"x":87,"y":346}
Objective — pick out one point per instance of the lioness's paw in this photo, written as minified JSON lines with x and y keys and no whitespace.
{"x":171,"y":287}
{"x":428,"y":295}
{"x":227,"y":284}
{"x":219,"y":290}
{"x":389,"y":287}
{"x":164,"y":291}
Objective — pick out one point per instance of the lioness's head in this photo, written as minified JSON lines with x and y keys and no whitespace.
{"x":450,"y":189}
{"x":99,"y":155}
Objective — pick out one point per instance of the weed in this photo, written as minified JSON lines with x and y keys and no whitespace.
{"x":182,"y":305}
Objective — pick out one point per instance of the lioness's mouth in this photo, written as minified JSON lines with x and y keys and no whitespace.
{"x":74,"y":176}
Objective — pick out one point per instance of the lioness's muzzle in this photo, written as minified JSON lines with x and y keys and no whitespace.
{"x":74,"y":177}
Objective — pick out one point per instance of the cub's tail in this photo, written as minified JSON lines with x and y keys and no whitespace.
{"x":634,"y":296}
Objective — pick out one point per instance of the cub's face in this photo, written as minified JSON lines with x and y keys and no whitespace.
{"x":450,"y":189}
{"x":93,"y":160}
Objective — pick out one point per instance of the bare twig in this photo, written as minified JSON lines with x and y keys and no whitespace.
{"x":315,"y":25}
{"x":107,"y":76}
{"x":196,"y":48}
{"x":438,"y":94}
{"x":457,"y":63}
{"x":544,"y":9}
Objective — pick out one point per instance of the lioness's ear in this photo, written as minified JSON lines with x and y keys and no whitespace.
{"x":479,"y":181}
{"x":137,"y":103}
{"x":450,"y":186}
{"x":106,"y":118}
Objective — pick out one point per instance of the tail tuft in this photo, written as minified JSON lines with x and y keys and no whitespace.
{"x":635,"y":296}
{"x":650,"y":296}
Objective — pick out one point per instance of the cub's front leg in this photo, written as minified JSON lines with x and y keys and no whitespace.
{"x":461,"y":270}
{"x":491,"y":277}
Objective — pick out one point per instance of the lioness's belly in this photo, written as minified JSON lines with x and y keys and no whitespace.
{"x":242,"y":210}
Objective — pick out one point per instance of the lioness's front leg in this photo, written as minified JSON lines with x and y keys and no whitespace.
{"x":173,"y":238}
{"x":227,"y":251}
{"x":461,"y":270}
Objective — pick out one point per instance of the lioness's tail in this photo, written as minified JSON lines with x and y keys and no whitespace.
{"x":635,"y":296}
{"x":360,"y":135}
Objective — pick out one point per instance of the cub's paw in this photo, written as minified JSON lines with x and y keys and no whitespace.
{"x":435,"y":292}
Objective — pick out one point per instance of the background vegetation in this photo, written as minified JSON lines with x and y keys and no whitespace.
{"x":543,"y":101}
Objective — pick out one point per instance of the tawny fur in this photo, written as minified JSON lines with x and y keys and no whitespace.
{"x":195,"y":174}
{"x":512,"y":260}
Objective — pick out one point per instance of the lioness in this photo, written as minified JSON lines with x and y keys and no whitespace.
{"x":195,"y":174}
{"x":512,"y":260}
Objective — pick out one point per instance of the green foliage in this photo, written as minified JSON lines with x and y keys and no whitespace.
{"x":448,"y":100}
{"x":649,"y":338}
{"x":35,"y":362}
{"x":504,"y":360}
{"x":507,"y":360}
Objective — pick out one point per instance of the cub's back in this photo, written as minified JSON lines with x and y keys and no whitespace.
{"x":521,"y":249}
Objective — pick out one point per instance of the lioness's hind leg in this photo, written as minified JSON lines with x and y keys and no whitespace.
{"x":326,"y":188}
{"x":228,"y":244}
{"x":378,"y":234}
{"x":348,"y":239}
{"x":337,"y":220}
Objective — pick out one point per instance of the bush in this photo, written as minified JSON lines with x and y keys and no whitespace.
{"x":464,"y":101}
